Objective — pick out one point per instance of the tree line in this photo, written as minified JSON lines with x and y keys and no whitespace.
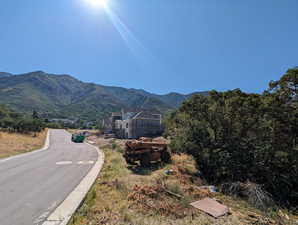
{"x":24,"y":123}
{"x":240,"y":137}
{"x":15,"y":122}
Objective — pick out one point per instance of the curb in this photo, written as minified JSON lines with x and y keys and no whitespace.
{"x":45,"y":147}
{"x":65,"y":211}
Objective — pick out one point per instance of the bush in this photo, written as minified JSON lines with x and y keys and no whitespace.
{"x":14,"y":122}
{"x":235,"y":136}
{"x":254,"y":193}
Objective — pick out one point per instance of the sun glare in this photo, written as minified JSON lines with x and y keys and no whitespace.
{"x":98,"y":3}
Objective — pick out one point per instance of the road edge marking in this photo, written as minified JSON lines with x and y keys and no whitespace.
{"x":64,"y":212}
{"x":45,"y":147}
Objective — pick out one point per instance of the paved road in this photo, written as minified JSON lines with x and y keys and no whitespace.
{"x":32,"y":186}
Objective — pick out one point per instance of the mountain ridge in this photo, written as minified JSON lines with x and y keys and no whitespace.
{"x":66,"y":96}
{"x":4,"y":74}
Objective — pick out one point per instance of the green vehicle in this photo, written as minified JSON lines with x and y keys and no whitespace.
{"x":78,"y":138}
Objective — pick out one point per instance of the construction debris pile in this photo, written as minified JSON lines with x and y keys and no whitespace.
{"x":156,"y":199}
{"x":145,"y":151}
{"x":169,"y":195}
{"x":181,"y":194}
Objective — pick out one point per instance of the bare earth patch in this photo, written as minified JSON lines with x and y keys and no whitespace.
{"x":13,"y":143}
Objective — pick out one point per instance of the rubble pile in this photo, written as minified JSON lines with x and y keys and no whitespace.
{"x":155,"y":199}
{"x":161,"y":198}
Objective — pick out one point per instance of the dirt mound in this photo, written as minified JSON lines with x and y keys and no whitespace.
{"x":170,"y":195}
{"x":156,"y":199}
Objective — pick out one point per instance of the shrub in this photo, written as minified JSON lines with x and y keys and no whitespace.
{"x":13,"y":121}
{"x":235,"y":136}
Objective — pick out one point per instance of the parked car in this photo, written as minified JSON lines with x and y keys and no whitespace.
{"x":78,"y":138}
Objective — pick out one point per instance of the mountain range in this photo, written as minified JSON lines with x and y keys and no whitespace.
{"x":63,"y":96}
{"x":3,"y":74}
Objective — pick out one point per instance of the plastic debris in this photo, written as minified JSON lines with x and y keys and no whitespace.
{"x":169,"y":172}
{"x":211,"y":188}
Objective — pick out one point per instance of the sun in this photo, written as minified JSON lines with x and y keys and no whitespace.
{"x":98,"y":3}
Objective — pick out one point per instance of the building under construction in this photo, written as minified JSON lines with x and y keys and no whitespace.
{"x":133,"y":125}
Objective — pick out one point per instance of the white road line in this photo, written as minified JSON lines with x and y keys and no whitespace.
{"x":67,"y":208}
{"x":85,"y":162}
{"x":64,"y":163}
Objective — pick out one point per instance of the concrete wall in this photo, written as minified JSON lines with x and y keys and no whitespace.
{"x":136,"y":128}
{"x":146,"y":128}
{"x":114,"y":118}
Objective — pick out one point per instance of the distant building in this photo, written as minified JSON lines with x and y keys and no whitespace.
{"x":107,"y":125}
{"x":133,"y":125}
{"x":115,"y":116}
{"x":63,"y":121}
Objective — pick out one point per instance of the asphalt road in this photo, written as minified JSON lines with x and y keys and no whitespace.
{"x":32,"y":186}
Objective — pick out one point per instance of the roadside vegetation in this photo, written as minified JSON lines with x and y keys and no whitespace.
{"x":18,"y":143}
{"x":131,"y":195}
{"x":244,"y":141}
{"x":20,"y":134}
{"x":11,"y":121}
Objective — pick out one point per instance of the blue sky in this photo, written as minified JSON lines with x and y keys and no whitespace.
{"x":165,"y":45}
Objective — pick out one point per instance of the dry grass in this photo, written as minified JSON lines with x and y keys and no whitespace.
{"x":14,"y":143}
{"x":150,"y":197}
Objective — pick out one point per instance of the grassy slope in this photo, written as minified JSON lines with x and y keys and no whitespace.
{"x":123,"y":197}
{"x":13,"y":143}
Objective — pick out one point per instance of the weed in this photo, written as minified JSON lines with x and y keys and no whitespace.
{"x":174,"y":187}
{"x":114,"y":146}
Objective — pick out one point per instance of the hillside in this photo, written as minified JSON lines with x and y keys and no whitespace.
{"x":65,"y":96}
{"x":3,"y":74}
{"x":172,"y":99}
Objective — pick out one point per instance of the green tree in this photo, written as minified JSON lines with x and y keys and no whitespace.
{"x":235,"y":136}
{"x":35,"y":115}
